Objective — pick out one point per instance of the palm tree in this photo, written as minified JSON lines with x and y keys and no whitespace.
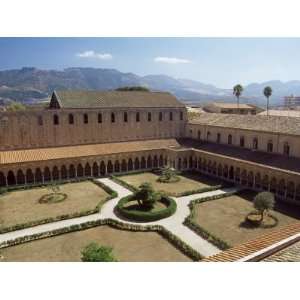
{"x":267,"y":93}
{"x":237,"y":91}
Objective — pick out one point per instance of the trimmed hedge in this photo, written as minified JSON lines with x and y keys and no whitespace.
{"x":173,"y":239}
{"x":189,"y":222}
{"x":199,"y":191}
{"x":112,"y":195}
{"x":124,"y":183}
{"x":145,"y":216}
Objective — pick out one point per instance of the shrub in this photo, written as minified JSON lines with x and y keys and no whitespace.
{"x":263,"y":202}
{"x":146,"y":196}
{"x":146,"y":216}
{"x":168,"y":175}
{"x":93,"y":252}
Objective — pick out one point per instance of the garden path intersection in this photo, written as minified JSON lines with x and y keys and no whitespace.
{"x":173,"y":223}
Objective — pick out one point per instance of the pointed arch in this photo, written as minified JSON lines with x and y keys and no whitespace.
{"x":290,"y":190}
{"x":95,"y":170}
{"x":11,"y":179}
{"x":124,"y":165}
{"x":47,"y":174}
{"x":258,"y":180}
{"x":102,"y":168}
{"x":63,"y":172}
{"x":130,"y":165}
{"x":29,"y":176}
{"x":110,"y":167}
{"x":20,"y":177}
{"x":149,"y":162}
{"x":143,"y":163}
{"x":179,"y":163}
{"x":55,"y":173}
{"x":155,"y":161}
{"x":2,"y":179}
{"x":38,"y":175}
{"x":117,"y":166}
{"x":161,"y":161}
{"x":72,"y":171}
{"x":79,"y":170}
{"x":136,"y":163}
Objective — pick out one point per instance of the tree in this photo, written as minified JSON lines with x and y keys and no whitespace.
{"x":237,"y":91}
{"x":263,"y":202}
{"x":267,"y":93}
{"x":54,"y":188}
{"x":132,"y":88}
{"x":94,"y":252}
{"x":15,"y":106}
{"x":146,"y":196}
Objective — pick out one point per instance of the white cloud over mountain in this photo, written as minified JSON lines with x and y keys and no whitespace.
{"x":93,"y":54}
{"x":171,"y":60}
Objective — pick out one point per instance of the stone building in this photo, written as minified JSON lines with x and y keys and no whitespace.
{"x":231,"y":108}
{"x":99,"y":133}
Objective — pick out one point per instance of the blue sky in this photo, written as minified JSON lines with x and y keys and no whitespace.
{"x":219,"y":61}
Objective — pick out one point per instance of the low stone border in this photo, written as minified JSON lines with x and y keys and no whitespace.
{"x":145,"y":216}
{"x":189,"y":222}
{"x":174,"y":240}
{"x":112,"y":195}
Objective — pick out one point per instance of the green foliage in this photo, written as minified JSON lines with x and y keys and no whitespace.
{"x":54,"y":187}
{"x":133,"y":88}
{"x":146,"y":216}
{"x":15,"y":106}
{"x":237,"y":90}
{"x":168,"y":175}
{"x":263,"y":202}
{"x":267,"y":91}
{"x":146,"y":196}
{"x":95,"y":253}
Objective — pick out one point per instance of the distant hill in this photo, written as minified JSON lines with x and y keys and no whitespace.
{"x":30,"y":85}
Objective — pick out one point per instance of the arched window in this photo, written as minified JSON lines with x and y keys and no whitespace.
{"x":219,"y":138}
{"x":160,"y":116}
{"x":40,"y":121}
{"x":242,"y":141}
{"x":55,"y":120}
{"x":99,"y":118}
{"x":255,"y":143}
{"x":286,"y":149}
{"x":149,"y":116}
{"x":171,"y":116}
{"x":137,"y":117}
{"x":270,"y":146}
{"x":199,"y":135}
{"x":229,"y":139}
{"x":208,"y":135}
{"x":71,"y":119}
{"x":181,"y":116}
{"x":85,"y":118}
{"x":191,"y":133}
{"x":112,"y":117}
{"x":125,"y":117}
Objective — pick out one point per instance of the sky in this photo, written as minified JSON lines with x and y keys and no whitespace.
{"x":222,"y":62}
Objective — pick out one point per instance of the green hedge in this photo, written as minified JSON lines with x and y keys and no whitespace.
{"x":144,"y":215}
{"x":189,"y":222}
{"x":173,"y":239}
{"x":124,"y":183}
{"x":112,"y":195}
{"x":201,"y":190}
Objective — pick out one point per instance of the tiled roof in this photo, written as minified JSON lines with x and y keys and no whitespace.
{"x":274,"y":124}
{"x":103,"y":99}
{"x":251,"y":247}
{"x":41,"y":154}
{"x":291,"y":253}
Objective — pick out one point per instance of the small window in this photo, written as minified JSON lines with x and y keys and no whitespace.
{"x":99,"y":118}
{"x":40,"y":121}
{"x":71,"y":119}
{"x":181,"y":116}
{"x":85,"y":118}
{"x":160,"y":116}
{"x":125,"y":117}
{"x":137,"y":117}
{"x":242,"y":141}
{"x":149,"y":116}
{"x":286,"y":149}
{"x":113,"y":119}
{"x":270,"y":146}
{"x":218,"y":138}
{"x":55,"y":120}
{"x":229,"y":139}
{"x":208,"y":135}
{"x":171,"y":116}
{"x":255,"y":144}
{"x":191,"y":133}
{"x":199,"y":135}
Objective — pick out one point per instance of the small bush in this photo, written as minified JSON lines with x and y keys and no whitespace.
{"x":95,"y":253}
{"x":263,"y":202}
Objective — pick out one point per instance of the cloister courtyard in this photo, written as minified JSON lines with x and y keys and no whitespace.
{"x":221,"y":214}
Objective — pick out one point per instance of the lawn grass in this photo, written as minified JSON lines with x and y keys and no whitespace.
{"x":127,"y":246}
{"x":188,"y":182}
{"x":21,"y":207}
{"x":224,"y":218}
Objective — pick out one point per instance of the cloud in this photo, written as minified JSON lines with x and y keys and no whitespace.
{"x":171,"y":60}
{"x":93,"y":54}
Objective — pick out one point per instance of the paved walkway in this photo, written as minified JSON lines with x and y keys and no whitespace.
{"x":173,"y":223}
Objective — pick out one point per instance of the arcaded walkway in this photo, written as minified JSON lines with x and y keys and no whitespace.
{"x":173,"y":223}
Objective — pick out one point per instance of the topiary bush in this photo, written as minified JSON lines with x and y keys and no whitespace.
{"x":95,"y":253}
{"x":168,"y":175}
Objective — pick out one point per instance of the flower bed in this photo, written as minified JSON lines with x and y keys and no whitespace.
{"x":146,"y":216}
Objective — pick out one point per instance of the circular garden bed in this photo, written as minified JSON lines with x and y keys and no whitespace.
{"x":129,"y":208}
{"x":173,"y":179}
{"x":53,"y":198}
{"x":254,"y":219}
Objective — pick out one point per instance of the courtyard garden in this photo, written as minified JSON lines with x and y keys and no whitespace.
{"x":242,"y":217}
{"x":179,"y":185}
{"x":126,"y":245}
{"x":29,"y":207}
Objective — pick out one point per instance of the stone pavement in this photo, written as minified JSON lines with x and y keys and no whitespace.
{"x":173,"y":223}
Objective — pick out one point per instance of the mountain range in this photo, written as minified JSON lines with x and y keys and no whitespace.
{"x":31,"y":85}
